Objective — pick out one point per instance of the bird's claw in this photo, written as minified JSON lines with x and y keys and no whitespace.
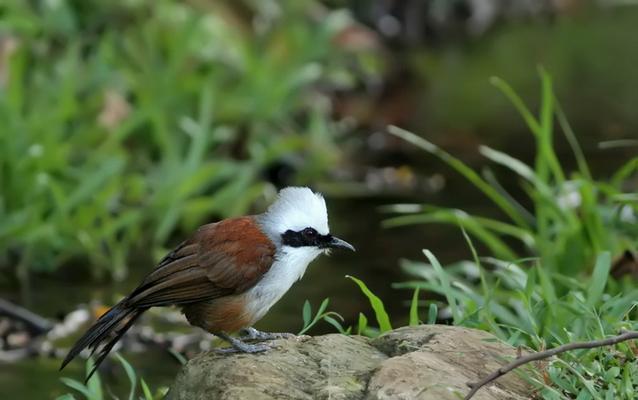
{"x":237,"y":346}
{"x":254,"y":334}
{"x":240,"y":347}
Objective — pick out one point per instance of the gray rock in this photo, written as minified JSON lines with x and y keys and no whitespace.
{"x":426,"y":362}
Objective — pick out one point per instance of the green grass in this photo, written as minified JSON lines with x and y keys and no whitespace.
{"x":123,"y":122}
{"x":380,"y":313}
{"x":330,"y":317}
{"x":545,"y":278}
{"x":93,"y":389}
{"x":573,"y":217}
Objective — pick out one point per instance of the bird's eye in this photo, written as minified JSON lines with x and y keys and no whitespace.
{"x":309,"y":233}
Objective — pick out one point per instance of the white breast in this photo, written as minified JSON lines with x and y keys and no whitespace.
{"x":289,"y":266}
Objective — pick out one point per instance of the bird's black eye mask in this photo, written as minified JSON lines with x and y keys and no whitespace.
{"x":306,"y":237}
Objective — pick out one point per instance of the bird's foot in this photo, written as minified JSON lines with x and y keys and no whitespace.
{"x":244,"y":348}
{"x":237,"y":346}
{"x":254,"y":334}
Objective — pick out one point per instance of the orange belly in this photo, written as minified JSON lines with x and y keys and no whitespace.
{"x":226,"y":314}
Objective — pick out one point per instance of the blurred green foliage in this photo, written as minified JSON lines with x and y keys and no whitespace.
{"x":124,"y":121}
{"x":93,"y":390}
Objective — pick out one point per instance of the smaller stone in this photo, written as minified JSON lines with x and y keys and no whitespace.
{"x":5,"y":326}
{"x":18,"y":339}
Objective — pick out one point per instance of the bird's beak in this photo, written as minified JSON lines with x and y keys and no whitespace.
{"x":337,"y":243}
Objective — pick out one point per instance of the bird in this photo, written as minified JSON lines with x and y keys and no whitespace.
{"x":227,"y":275}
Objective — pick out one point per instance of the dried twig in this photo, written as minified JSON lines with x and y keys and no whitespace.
{"x":622,"y":337}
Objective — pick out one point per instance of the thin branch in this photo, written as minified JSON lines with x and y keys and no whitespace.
{"x":622,"y":337}
{"x":36,"y":323}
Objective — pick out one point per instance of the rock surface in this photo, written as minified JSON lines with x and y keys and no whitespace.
{"x":421,"y":363}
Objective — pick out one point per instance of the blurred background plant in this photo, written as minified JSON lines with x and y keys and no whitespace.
{"x":123,"y":122}
{"x":93,"y":390}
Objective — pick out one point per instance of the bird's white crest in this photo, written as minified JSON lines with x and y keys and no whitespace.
{"x":296,"y":208}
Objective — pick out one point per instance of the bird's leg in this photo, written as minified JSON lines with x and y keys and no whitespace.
{"x":240,"y":347}
{"x":253,"y":334}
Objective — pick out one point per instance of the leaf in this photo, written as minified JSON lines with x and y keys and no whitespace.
{"x":178,"y":356}
{"x":94,"y":384}
{"x":334,"y":323}
{"x":475,"y":225}
{"x":464,"y":170}
{"x":599,"y":279}
{"x":306,"y":313}
{"x":130,"y":373}
{"x":377,"y":305}
{"x":147,"y":392}
{"x":445,"y":285}
{"x":73,"y":384}
{"x":514,"y":98}
{"x":322,"y":308}
{"x":433,"y":313}
{"x":510,"y":162}
{"x":545,"y":145}
{"x":414,"y":308}
{"x":573,"y":142}
{"x":362,"y":324}
{"x":320,"y":314}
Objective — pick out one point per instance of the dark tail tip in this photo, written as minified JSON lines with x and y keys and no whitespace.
{"x":107,"y":330}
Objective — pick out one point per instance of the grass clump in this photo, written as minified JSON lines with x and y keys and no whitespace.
{"x":93,"y":390}
{"x":546,"y":278}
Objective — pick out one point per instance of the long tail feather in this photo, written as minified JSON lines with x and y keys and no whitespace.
{"x":104,"y":351}
{"x":107,"y":330}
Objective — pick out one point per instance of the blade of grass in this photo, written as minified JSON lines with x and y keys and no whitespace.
{"x":377,"y":305}
{"x":414,"y":308}
{"x":477,"y":261}
{"x":178,"y":356}
{"x":599,"y":279}
{"x":518,"y":103}
{"x":547,"y":161}
{"x":623,"y":172}
{"x":147,"y":392}
{"x":495,"y":244}
{"x":130,"y":373}
{"x":490,"y":178}
{"x":433,"y":312}
{"x":445,"y":285}
{"x":362,"y":324}
{"x":320,"y":314}
{"x":73,"y":384}
{"x":611,"y":144}
{"x":306,"y":313}
{"x":463,"y":169}
{"x":335,"y":323}
{"x":497,"y":226}
{"x":94,"y":384}
{"x":542,"y":190}
{"x":563,"y":122}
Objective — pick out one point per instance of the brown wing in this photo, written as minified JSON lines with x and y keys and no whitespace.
{"x":220,"y":259}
